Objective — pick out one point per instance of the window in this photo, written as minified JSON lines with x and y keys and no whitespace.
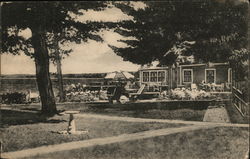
{"x":229,"y":75}
{"x":153,"y":76}
{"x":145,"y":76}
{"x":210,"y":75}
{"x":187,"y":75}
{"x":161,"y":76}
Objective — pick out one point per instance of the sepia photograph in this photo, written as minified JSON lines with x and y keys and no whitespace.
{"x":163,"y":79}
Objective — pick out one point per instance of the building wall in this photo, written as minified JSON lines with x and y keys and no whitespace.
{"x":221,"y":74}
{"x":199,"y":73}
{"x":167,"y":75}
{"x":175,"y":76}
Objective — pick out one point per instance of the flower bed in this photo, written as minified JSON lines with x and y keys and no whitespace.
{"x":79,"y":93}
{"x":85,"y":96}
{"x":187,"y":94}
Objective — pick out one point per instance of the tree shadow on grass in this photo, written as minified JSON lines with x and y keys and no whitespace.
{"x":14,"y":117}
{"x":31,"y":109}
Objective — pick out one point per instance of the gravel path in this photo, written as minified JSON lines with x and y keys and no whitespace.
{"x":131,"y":119}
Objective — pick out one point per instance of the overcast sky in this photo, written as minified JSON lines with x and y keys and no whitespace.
{"x":91,"y":57}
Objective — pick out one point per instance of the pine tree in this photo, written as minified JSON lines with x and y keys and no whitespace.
{"x":217,"y":28}
{"x":45,"y":19}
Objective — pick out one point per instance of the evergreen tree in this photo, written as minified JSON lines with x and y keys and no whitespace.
{"x":44,"y":19}
{"x":215,"y":28}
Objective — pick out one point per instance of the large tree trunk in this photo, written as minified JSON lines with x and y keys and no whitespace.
{"x":59,"y":73}
{"x":42,"y":72}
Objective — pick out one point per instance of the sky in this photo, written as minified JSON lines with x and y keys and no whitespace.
{"x":90,"y":57}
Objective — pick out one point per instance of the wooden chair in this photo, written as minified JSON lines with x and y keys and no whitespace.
{"x":139,"y":92}
{"x":219,"y":87}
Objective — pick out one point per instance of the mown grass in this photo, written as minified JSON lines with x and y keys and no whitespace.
{"x":142,"y":110}
{"x":42,"y":133}
{"x":158,"y":110}
{"x":179,"y":114}
{"x":215,"y":143}
{"x":138,"y":110}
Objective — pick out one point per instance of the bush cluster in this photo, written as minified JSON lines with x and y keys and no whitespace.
{"x":13,"y":98}
{"x":186,"y":94}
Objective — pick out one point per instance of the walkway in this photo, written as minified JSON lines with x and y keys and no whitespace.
{"x":100,"y":141}
{"x":131,"y":119}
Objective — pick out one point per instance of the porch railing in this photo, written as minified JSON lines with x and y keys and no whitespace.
{"x":239,"y":103}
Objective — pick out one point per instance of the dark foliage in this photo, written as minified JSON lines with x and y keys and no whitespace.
{"x":49,"y":23}
{"x":217,"y":27}
{"x":13,"y":98}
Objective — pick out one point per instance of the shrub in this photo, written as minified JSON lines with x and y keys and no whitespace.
{"x":13,"y":98}
{"x":189,"y":94}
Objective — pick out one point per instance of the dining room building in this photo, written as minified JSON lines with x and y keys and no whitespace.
{"x":218,"y":74}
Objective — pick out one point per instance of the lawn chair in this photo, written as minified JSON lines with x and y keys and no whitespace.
{"x":134,"y":96}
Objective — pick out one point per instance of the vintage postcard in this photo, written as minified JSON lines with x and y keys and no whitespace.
{"x":124,"y":79}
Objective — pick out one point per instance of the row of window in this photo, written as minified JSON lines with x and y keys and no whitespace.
{"x":210,"y":75}
{"x":160,"y":76}
{"x":153,"y":76}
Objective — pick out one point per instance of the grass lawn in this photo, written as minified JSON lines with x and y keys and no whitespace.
{"x":139,"y":110}
{"x":22,"y":134}
{"x":215,"y":143}
{"x":178,"y":114}
{"x":154,"y":113}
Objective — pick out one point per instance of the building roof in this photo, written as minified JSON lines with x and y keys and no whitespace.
{"x":119,"y":75}
{"x":188,"y":65}
{"x":204,"y":64}
{"x":153,"y":68}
